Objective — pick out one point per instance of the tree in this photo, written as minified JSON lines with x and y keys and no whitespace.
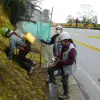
{"x":70,"y":19}
{"x":86,"y":13}
{"x":94,"y":20}
{"x":46,"y":15}
{"x":21,"y":9}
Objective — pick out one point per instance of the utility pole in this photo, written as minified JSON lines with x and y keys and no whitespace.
{"x":51,"y":14}
{"x":50,"y":21}
{"x":41,"y":42}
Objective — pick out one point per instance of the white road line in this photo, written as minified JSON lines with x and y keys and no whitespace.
{"x":79,"y":67}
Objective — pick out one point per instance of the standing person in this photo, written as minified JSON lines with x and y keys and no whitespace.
{"x":55,"y":42}
{"x":65,"y":62}
{"x":76,"y":22}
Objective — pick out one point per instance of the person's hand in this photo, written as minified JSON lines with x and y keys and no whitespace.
{"x":41,"y":40}
{"x":22,"y":35}
{"x":57,"y":59}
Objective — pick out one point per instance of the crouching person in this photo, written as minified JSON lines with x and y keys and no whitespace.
{"x":24,"y":62}
{"x":65,"y":62}
{"x":16,"y":39}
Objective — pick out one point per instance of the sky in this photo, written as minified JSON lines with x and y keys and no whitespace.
{"x":63,"y":8}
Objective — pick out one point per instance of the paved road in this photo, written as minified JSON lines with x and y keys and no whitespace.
{"x":88,"y":61}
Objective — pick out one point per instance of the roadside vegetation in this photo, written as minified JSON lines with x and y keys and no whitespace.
{"x":86,"y":18}
{"x":80,"y":25}
{"x":14,"y":81}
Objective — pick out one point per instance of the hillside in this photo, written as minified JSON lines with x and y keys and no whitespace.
{"x":14,"y":81}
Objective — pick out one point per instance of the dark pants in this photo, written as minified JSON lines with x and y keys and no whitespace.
{"x":65,"y":83}
{"x":23,"y":61}
{"x":64,"y":78}
{"x":59,"y":72}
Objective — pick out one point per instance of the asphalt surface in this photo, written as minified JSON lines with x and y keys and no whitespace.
{"x":88,"y":61}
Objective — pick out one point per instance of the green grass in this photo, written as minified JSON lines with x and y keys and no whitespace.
{"x":14,"y":82}
{"x":4,"y":19}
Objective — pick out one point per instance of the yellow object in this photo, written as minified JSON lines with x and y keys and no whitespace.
{"x":29,"y":37}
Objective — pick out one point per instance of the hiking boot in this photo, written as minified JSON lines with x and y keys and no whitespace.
{"x":31,"y":70}
{"x":51,"y":81}
{"x":65,"y":96}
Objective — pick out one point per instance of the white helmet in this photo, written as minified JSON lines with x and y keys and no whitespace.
{"x":63,"y":36}
{"x":59,"y":26}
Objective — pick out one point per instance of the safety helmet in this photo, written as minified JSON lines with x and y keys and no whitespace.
{"x":3,"y":31}
{"x":63,"y":36}
{"x":59,"y":26}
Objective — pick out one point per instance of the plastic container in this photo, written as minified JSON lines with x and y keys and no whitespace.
{"x":29,"y":37}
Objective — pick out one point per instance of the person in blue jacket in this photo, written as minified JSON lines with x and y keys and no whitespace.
{"x":55,"y":41}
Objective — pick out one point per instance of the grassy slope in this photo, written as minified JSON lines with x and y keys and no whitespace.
{"x":14,"y":82}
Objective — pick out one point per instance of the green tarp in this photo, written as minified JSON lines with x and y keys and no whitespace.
{"x":40,"y":30}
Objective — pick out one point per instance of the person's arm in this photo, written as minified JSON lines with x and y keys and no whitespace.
{"x":71,"y":58}
{"x":9,"y":33}
{"x":49,"y":42}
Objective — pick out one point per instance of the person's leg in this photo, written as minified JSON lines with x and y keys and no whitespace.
{"x":65,"y":84}
{"x":11,"y":49}
{"x":58,"y":73}
{"x":22,"y":53}
{"x":51,"y":73}
{"x":25,"y":65}
{"x":32,"y":63}
{"x":23,"y":61}
{"x":27,"y":50}
{"x":65,"y":87}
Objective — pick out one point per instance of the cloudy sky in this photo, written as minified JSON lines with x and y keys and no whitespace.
{"x":63,"y":8}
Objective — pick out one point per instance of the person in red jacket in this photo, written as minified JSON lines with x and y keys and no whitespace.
{"x":65,"y":61}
